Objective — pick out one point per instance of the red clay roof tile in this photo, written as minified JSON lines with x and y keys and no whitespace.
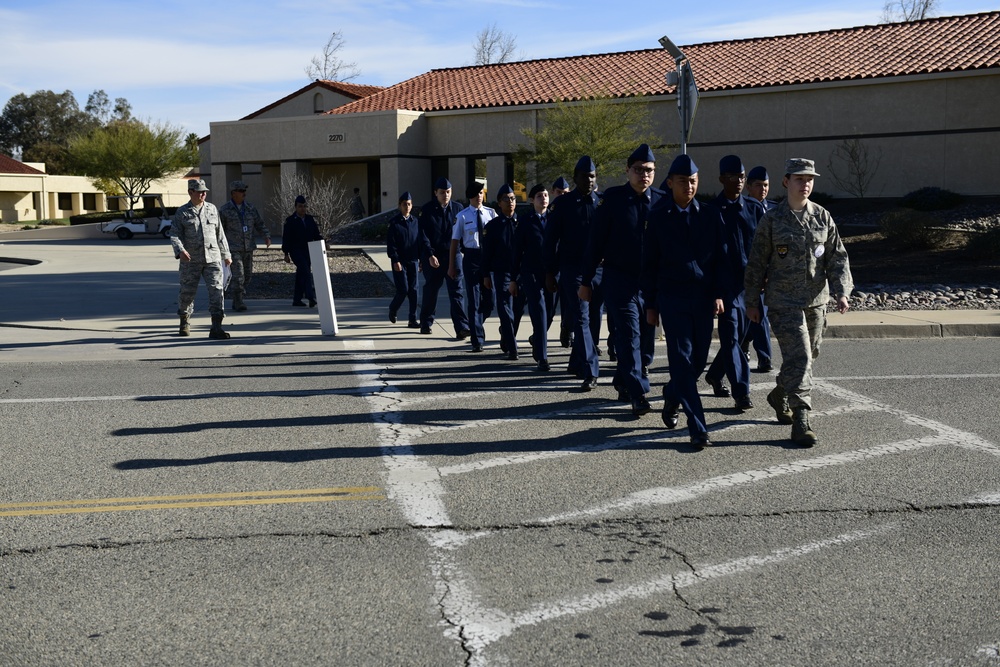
{"x":9,"y":165}
{"x":957,"y":43}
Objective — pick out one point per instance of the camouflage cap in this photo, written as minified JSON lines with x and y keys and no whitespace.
{"x":800,"y":165}
{"x":237,"y":185}
{"x":197,"y":184}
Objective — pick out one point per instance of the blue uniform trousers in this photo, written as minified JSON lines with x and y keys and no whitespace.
{"x":633,"y":337}
{"x":303,"y":276}
{"x":406,"y":288}
{"x":687,"y":328}
{"x":583,"y":359}
{"x":532,"y":289}
{"x":505,"y":311}
{"x":433,"y":279}
{"x":478,"y":299}
{"x":730,"y":360}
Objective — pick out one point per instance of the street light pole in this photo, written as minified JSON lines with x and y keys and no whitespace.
{"x":687,"y":91}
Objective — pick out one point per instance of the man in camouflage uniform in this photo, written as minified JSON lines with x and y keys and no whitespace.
{"x":242,"y":224}
{"x":798,"y":259}
{"x":200,"y":244}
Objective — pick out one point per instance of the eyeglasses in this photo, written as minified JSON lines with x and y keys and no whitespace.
{"x":644,"y":170}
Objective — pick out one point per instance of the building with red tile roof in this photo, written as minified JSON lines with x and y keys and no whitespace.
{"x":921,"y":94}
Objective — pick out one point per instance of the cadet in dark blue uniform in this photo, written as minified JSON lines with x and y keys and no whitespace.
{"x":741,"y":215}
{"x":402,"y":245}
{"x":498,"y":264}
{"x":300,"y":228}
{"x":529,"y":277}
{"x":683,"y":280}
{"x":758,"y":185}
{"x":437,"y":218}
{"x":616,"y":239}
{"x":566,"y":235}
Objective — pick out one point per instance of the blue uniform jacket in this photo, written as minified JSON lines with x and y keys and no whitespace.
{"x":435,"y":229}
{"x":616,"y":234}
{"x":297,"y":233}
{"x":741,"y":218}
{"x":498,"y":244}
{"x":567,"y":230}
{"x":684,"y":256}
{"x":529,"y":236}
{"x":402,"y":240}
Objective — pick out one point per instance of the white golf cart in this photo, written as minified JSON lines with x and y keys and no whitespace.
{"x":130,"y":224}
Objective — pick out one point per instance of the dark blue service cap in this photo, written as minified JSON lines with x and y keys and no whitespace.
{"x":758,"y":174}
{"x":405,"y":197}
{"x":682,"y":165}
{"x":473,"y":189}
{"x":641,"y":154}
{"x":731,"y":164}
{"x":535,"y":190}
{"x":585,"y":164}
{"x":442,"y":184}
{"x":300,"y":199}
{"x":504,"y":191}
{"x":561,"y":184}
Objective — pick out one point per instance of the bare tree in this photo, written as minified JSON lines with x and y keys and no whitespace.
{"x":329,"y":200}
{"x":328,"y":66}
{"x":858,"y":164}
{"x":493,"y":45}
{"x":897,"y":11}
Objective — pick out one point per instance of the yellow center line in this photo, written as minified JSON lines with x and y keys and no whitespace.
{"x":190,"y":501}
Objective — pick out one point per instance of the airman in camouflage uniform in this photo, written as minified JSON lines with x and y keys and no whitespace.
{"x":242,"y":223}
{"x":200,"y":244}
{"x":797,"y":259}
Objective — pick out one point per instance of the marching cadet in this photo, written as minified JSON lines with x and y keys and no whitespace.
{"x":242,"y":223}
{"x":758,"y":185}
{"x":566,"y":235}
{"x":797,"y":259}
{"x":466,"y":235}
{"x":437,"y":221}
{"x":529,"y":274}
{"x":559,"y":188}
{"x":741,"y":215}
{"x":497,"y":240}
{"x":200,"y":244}
{"x":402,"y":245}
{"x":684,"y":275}
{"x":299,"y":231}
{"x":616,"y":240}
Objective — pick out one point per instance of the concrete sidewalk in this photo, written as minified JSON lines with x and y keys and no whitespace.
{"x":102,"y":298}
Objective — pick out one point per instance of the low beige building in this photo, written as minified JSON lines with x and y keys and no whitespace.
{"x":28,"y":194}
{"x":921,"y":95}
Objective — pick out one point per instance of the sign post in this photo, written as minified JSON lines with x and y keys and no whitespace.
{"x":687,"y":90}
{"x":324,"y":290}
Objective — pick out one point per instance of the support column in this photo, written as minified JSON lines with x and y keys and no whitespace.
{"x":76,"y":203}
{"x":222,"y":176}
{"x":456,"y":174}
{"x":496,"y":173}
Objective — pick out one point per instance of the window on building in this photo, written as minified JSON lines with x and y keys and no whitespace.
{"x":439,"y":169}
{"x":318,"y":106}
{"x":65,"y":201}
{"x":516,"y":173}
{"x":89,"y":201}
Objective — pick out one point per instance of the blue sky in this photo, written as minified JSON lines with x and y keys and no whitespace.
{"x":192,"y":63}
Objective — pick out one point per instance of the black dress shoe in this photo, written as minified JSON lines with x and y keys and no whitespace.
{"x":463,"y":334}
{"x":719,"y":388}
{"x":412,"y":324}
{"x":597,"y":351}
{"x":477,"y":348}
{"x":298,"y":304}
{"x":700,"y":441}
{"x":612,"y":355}
{"x":512,"y":355}
{"x":544,"y":366}
{"x":623,"y":396}
{"x":312,"y":303}
{"x":564,"y":337}
{"x":392,"y":317}
{"x":670,"y":413}
{"x":588,"y":384}
{"x":425,"y":330}
{"x":641,"y":406}
{"x":744,"y":403}
{"x":763,"y":368}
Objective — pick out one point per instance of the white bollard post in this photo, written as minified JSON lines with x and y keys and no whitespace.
{"x":324,"y":290}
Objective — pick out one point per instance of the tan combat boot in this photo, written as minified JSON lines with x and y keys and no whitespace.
{"x":777,"y":400}
{"x":802,"y":435}
{"x":185,"y":329}
{"x":216,"y":332}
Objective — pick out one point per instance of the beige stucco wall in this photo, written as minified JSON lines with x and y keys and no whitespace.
{"x":302,"y":104}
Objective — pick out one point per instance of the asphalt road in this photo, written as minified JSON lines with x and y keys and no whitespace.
{"x":444,"y":508}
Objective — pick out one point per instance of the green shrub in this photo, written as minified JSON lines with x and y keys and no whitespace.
{"x":914,"y":229}
{"x":53,"y":223}
{"x":375,"y":232}
{"x":931,"y":199}
{"x":985,"y":246}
